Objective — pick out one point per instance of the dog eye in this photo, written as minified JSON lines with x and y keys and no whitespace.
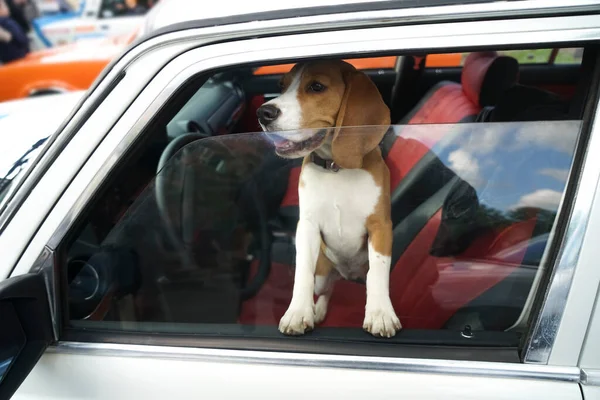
{"x":316,"y":87}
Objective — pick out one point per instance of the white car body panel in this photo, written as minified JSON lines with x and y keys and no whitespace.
{"x":70,"y":377}
{"x":19,"y":130}
{"x":35,"y":210}
{"x":143,"y":371}
{"x":62,"y":102}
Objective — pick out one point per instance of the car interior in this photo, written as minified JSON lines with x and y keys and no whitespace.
{"x":196,"y":226}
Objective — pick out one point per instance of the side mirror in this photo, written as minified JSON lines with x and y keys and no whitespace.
{"x":107,"y":14}
{"x":26,"y":329}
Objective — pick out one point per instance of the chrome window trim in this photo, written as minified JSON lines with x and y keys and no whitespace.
{"x":546,"y":326}
{"x":313,"y":45}
{"x":335,"y":13}
{"x":424,"y":366}
{"x":102,"y":85}
{"x":590,"y":377}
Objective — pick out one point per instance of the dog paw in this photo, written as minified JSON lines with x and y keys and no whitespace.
{"x":297,"y":321}
{"x":381,"y":321}
{"x":321,"y":309}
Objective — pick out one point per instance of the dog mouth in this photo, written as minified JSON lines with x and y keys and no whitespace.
{"x":285,"y":147}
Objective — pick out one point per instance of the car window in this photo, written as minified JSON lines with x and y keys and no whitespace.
{"x":210,"y":240}
{"x":195,"y":233}
{"x":537,"y":56}
{"x":569,"y":56}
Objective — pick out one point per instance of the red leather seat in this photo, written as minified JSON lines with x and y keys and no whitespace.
{"x":484,"y":77}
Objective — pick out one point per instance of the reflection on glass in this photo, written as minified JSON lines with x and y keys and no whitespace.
{"x":210,"y":240}
{"x":4,"y":366}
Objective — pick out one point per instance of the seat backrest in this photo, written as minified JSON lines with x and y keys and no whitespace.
{"x":485,"y":77}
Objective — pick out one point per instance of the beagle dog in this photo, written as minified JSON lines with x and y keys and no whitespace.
{"x":345,"y":227}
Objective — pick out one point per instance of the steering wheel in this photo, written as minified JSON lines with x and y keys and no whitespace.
{"x":264,"y":233}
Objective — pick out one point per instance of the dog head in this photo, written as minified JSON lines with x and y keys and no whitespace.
{"x":317,"y":100}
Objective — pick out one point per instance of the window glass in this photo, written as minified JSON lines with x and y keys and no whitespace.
{"x":536,"y":56}
{"x":569,"y":56}
{"x":532,"y":56}
{"x":195,"y":230}
{"x":209,"y":244}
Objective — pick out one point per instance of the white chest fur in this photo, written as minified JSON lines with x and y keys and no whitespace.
{"x":339,"y":203}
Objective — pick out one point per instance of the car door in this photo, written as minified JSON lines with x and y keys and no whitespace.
{"x":85,"y":354}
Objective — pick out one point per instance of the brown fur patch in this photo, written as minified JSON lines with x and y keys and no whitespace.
{"x":362,"y":106}
{"x":320,"y":110}
{"x":379,"y":224}
{"x":324,"y":264}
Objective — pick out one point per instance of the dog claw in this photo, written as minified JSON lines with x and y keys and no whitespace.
{"x":297,"y":321}
{"x":381,"y":321}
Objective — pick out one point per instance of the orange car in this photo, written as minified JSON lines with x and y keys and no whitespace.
{"x":76,"y":66}
{"x":59,"y":69}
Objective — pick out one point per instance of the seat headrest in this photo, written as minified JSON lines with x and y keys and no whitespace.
{"x":524,"y":103}
{"x":486,"y":75}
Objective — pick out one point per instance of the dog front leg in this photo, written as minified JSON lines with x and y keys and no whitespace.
{"x":300,"y":315}
{"x":380,"y":317}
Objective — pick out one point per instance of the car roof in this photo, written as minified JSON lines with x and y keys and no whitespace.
{"x":173,"y":12}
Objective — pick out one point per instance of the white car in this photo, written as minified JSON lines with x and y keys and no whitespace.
{"x":147,"y":227}
{"x":91,"y":20}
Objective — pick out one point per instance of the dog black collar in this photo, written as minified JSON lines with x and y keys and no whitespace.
{"x":329,"y":165}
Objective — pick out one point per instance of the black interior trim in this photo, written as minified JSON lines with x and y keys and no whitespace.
{"x":429,"y":344}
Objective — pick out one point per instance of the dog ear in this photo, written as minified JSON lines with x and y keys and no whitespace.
{"x":362,"y":121}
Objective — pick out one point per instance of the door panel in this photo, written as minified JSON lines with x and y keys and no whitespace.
{"x":71,"y":376}
{"x":590,"y":392}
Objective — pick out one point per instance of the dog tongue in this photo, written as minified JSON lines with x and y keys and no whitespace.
{"x":279,"y":141}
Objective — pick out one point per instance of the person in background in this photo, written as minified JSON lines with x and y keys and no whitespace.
{"x":131,"y":7}
{"x":14,"y":43}
{"x":16,"y":9}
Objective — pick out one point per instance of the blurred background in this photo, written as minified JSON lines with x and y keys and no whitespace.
{"x":58,"y":46}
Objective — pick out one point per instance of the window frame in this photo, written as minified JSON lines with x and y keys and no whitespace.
{"x":292,"y":46}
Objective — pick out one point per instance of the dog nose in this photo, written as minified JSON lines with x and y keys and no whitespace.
{"x":267,"y":113}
